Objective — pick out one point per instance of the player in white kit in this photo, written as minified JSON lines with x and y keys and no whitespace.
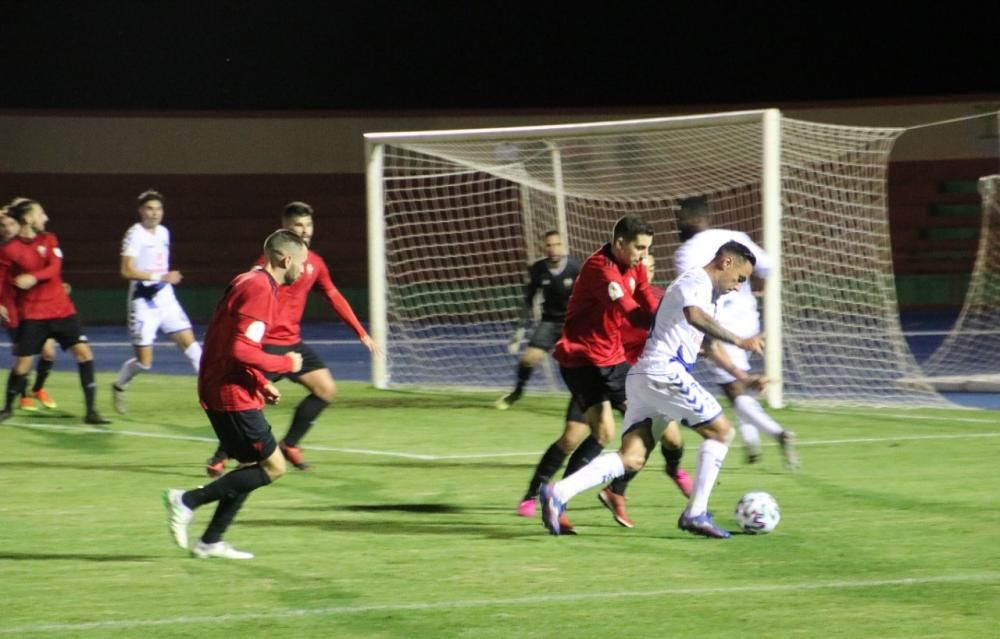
{"x":737,"y":312}
{"x":660,"y":388}
{"x":152,"y":305}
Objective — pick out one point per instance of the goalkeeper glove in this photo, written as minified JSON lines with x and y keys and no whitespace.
{"x":514,"y":344}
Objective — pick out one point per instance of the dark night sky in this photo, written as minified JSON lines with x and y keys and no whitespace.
{"x":421,"y":54}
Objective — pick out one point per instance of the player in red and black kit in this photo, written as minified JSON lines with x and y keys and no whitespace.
{"x":9,"y":229}
{"x":611,"y":290}
{"x":232,"y":389}
{"x":34,"y":262}
{"x":286,"y":335}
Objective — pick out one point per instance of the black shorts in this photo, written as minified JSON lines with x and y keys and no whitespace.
{"x":546,"y":335}
{"x":595,"y":384}
{"x":245,"y":435}
{"x":576,"y":414}
{"x":32,"y":334}
{"x":310,"y":360}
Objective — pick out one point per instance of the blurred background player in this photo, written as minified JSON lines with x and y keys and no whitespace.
{"x":553,"y":275}
{"x":33,"y":261}
{"x":232,"y":391}
{"x":9,"y":228}
{"x":152,"y":305}
{"x":737,"y":312}
{"x":285,"y":335}
{"x":660,"y":388}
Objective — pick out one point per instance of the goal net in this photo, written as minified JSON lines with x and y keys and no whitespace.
{"x":455,"y":217}
{"x":969,"y":357}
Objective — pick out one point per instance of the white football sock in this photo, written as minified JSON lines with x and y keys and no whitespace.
{"x":599,"y":471}
{"x":750,"y":436}
{"x":750,"y":410}
{"x":711,"y":454}
{"x":193,"y":353}
{"x":129,"y":369}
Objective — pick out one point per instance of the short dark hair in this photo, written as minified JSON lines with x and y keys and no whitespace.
{"x":20,"y":208}
{"x":150,"y":195}
{"x":736,"y":249}
{"x":630,"y":227}
{"x":281,"y":241}
{"x":549,"y":234}
{"x":692,"y":207}
{"x":296,"y":209}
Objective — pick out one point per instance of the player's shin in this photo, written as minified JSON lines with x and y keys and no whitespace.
{"x":711,"y":454}
{"x":16,"y":385}
{"x":600,"y":471}
{"x":193,"y":354}
{"x":547,"y":467}
{"x":305,"y":414}
{"x":87,"y":383}
{"x":225,"y":512}
{"x":750,"y":410}
{"x":587,"y":451}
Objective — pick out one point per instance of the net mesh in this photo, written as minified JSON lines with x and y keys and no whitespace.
{"x":972,"y":347}
{"x":464,"y":217}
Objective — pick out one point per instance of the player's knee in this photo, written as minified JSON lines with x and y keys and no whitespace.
{"x":274,"y":467}
{"x":633,"y":460}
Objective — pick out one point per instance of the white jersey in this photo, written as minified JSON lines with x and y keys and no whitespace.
{"x":152,"y":306}
{"x":149,"y":250}
{"x":737,"y":311}
{"x":672,"y":339}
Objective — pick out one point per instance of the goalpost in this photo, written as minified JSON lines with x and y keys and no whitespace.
{"x":454,"y":217}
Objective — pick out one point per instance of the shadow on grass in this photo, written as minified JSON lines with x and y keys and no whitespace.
{"x":146,"y":469}
{"x":34,"y":556}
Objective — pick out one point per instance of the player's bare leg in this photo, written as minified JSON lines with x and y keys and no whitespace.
{"x":322,"y":389}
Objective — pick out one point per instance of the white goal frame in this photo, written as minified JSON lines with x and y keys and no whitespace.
{"x":771,"y":198}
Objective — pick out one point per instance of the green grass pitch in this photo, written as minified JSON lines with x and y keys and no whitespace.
{"x":406,"y":528}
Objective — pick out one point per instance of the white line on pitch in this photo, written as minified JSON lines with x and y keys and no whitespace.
{"x":433,"y":457}
{"x":334,"y":611}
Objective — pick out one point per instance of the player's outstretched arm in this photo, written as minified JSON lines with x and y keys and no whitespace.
{"x":706,"y":324}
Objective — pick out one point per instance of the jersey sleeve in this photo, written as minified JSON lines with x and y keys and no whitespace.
{"x":695,"y":291}
{"x":530,"y":288}
{"x":130,"y":243}
{"x":337,"y":301}
{"x":252,"y":313}
{"x":52,"y":261}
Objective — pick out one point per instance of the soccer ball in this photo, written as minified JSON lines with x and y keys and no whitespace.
{"x":757,"y":513}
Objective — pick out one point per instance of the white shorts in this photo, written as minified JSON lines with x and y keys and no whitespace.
{"x":740,"y":359}
{"x":161,"y":313}
{"x":674,"y":395}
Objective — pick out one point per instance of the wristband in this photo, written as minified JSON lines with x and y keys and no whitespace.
{"x":155,"y":277}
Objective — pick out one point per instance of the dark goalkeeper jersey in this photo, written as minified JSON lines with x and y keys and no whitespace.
{"x":556,"y":285}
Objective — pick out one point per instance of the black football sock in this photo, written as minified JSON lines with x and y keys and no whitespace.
{"x":15,"y":388}
{"x":225,"y":512}
{"x":523,"y":375}
{"x":219,"y":455}
{"x":583,"y":455}
{"x":547,"y":467}
{"x":673,"y":458}
{"x":42,"y":373}
{"x":620,"y":484}
{"x":306,"y":413}
{"x":231,"y":485}
{"x":87,"y":383}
